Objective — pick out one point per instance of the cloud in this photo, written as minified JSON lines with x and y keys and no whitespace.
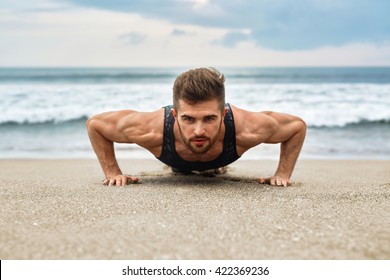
{"x":204,"y":33}
{"x":133,"y":38}
{"x":232,"y":39}
{"x":274,"y":24}
{"x":178,"y":32}
{"x":36,"y":6}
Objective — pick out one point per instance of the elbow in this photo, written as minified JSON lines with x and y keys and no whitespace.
{"x":91,"y":123}
{"x":302,"y":127}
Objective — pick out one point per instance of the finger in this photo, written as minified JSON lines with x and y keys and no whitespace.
{"x":278,"y":182}
{"x":261,"y":180}
{"x":264,"y":180}
{"x":288,"y":183}
{"x":111,"y":182}
{"x":105,"y":182}
{"x":129,"y":180}
{"x":273,"y":181}
{"x":132,"y":180}
{"x":135,"y":180}
{"x":118,"y":182}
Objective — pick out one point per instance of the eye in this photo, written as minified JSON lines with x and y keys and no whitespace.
{"x":209,"y":118}
{"x":188,"y":119}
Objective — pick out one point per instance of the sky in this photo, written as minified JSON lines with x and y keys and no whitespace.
{"x":147,"y":33}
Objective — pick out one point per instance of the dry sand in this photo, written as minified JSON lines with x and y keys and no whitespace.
{"x":57,"y":209}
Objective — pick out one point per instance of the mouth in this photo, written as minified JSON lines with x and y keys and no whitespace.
{"x":199,"y":141}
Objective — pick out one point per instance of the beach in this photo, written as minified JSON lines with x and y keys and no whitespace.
{"x":58,"y":209}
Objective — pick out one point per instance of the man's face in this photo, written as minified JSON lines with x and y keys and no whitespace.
{"x":199,"y":124}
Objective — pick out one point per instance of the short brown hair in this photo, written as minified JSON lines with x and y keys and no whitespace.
{"x":197,"y":85}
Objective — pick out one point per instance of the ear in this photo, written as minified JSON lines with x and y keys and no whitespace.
{"x":174,"y":113}
{"x":224,"y":112}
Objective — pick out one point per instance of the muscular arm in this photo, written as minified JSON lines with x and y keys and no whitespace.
{"x":272,"y":127}
{"x":103,"y":131}
{"x":122,"y":127}
{"x":290,"y":131}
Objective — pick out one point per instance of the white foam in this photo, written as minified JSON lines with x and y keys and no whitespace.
{"x":317,"y":104}
{"x":60,"y":103}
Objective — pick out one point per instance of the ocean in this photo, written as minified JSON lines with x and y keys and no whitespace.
{"x":44,"y":110}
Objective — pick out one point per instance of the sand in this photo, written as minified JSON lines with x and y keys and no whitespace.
{"x":58,"y":209}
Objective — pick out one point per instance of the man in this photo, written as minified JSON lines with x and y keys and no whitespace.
{"x":199,"y":132}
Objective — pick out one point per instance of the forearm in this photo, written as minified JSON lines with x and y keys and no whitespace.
{"x":289,"y":152}
{"x":104,"y":150}
{"x":108,"y":160}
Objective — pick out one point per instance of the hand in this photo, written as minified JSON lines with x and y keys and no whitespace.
{"x":120,"y":180}
{"x":276,"y":181}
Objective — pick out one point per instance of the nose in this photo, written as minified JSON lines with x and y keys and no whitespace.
{"x":199,"y":129}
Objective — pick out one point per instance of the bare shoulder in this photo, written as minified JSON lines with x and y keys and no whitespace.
{"x":254,"y":128}
{"x":247,"y":120}
{"x":143,"y":128}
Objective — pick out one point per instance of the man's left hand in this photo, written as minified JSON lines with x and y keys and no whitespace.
{"x":276,"y":181}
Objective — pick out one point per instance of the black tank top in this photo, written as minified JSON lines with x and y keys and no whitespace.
{"x":171,"y":158}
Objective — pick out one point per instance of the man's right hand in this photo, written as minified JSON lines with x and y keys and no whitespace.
{"x":120,"y":180}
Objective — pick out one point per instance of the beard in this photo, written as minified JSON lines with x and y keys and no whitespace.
{"x":199,"y":144}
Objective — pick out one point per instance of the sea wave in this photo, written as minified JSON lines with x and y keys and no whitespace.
{"x":264,"y":75}
{"x":325,"y":105}
{"x":357,"y":124}
{"x":83,"y":118}
{"x":124,"y":77}
{"x":43,"y":111}
{"x":84,"y":75}
{"x":50,"y":122}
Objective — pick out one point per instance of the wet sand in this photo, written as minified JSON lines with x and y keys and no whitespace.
{"x":58,"y":209}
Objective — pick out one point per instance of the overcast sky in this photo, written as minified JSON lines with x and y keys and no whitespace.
{"x":194,"y":33}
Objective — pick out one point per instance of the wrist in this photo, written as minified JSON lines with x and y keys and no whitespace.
{"x":281,"y":174}
{"x":113,"y":173}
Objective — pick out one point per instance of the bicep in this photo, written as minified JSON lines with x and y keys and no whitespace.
{"x":109,"y":126}
{"x":282,"y":127}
